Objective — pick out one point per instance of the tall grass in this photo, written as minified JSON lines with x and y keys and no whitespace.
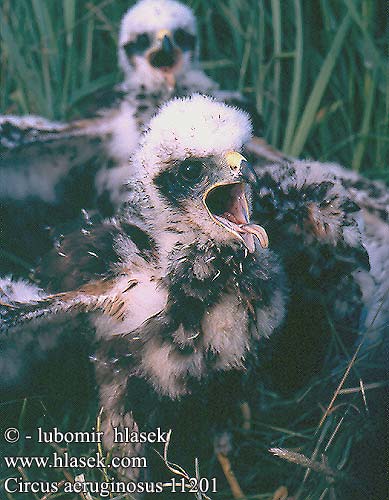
{"x":318,"y":70}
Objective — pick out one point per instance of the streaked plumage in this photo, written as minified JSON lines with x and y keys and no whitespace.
{"x":373,"y":198}
{"x":179,"y":314}
{"x":178,"y":297}
{"x":331,"y":213}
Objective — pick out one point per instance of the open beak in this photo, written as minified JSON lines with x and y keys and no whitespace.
{"x":166,"y":57}
{"x":227,"y":205}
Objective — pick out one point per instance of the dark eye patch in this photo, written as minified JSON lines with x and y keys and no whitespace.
{"x":184,"y":39}
{"x":178,"y":183}
{"x":141,"y":43}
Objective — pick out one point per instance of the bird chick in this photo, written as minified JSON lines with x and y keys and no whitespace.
{"x":158,"y":46}
{"x":49,"y":171}
{"x":179,"y":318}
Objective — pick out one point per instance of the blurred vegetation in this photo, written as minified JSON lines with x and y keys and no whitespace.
{"x":318,"y":70}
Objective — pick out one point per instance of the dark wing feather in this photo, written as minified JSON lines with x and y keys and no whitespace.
{"x":18,"y":131}
{"x":311,"y":221}
{"x":91,"y":297}
{"x":92,"y":267}
{"x":101,"y":101}
{"x":312,"y":224}
{"x":372,"y":196}
{"x":84,"y":250}
{"x":44,"y":182}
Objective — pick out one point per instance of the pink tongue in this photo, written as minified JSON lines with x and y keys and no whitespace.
{"x":246,"y":231}
{"x":258,"y":231}
{"x":249,"y":241}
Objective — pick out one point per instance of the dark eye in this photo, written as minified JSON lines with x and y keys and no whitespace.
{"x":142,"y":41}
{"x":137,"y":46}
{"x":191,"y":170}
{"x":184,"y":39}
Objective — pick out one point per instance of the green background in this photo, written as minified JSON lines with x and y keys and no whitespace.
{"x":319,"y":70}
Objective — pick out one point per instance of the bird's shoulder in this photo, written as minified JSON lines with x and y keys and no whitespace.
{"x":91,"y":248}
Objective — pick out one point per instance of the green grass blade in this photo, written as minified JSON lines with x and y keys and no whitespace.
{"x":88,"y":56}
{"x":319,"y":88}
{"x":260,"y":73}
{"x":25,"y":75}
{"x":69,"y":11}
{"x":365,"y":127}
{"x":47,"y":48}
{"x":294,"y":102}
{"x":277,"y":44}
{"x":245,"y":58}
{"x":370,"y":45}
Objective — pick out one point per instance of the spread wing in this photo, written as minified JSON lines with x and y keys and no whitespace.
{"x":314,"y":226}
{"x":92,"y":297}
{"x":87,"y":249}
{"x":102,"y":287}
{"x":48,"y":174}
{"x":52,"y":328}
{"x":311,"y":221}
{"x":34,"y":321}
{"x":17,"y":131}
